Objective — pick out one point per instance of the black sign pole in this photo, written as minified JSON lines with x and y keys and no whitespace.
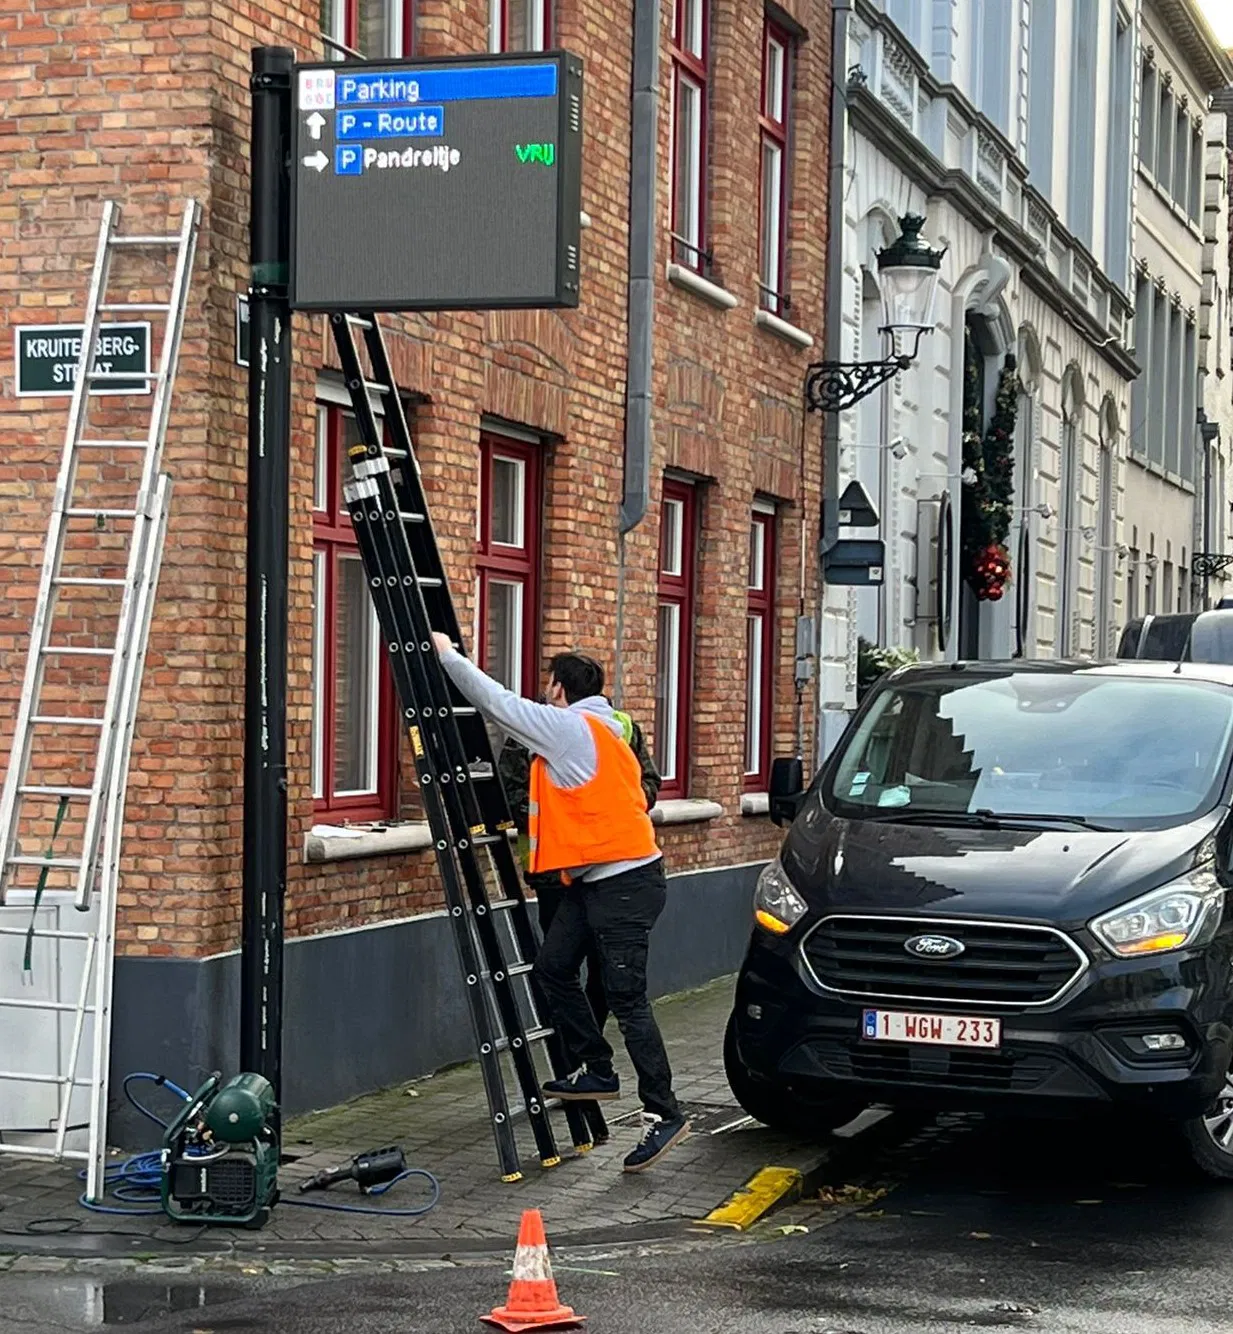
{"x":265,"y":657}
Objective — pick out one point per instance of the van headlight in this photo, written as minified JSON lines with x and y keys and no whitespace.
{"x":1186,"y":911}
{"x":777,"y":905}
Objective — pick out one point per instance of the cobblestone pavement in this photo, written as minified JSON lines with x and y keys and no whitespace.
{"x":442,"y":1125}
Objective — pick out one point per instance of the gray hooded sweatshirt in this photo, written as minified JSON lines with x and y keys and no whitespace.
{"x":561,"y":737}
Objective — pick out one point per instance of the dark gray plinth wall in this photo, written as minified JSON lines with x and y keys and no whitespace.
{"x":368,"y":1008}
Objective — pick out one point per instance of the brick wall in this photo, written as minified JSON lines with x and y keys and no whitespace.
{"x":148,"y":104}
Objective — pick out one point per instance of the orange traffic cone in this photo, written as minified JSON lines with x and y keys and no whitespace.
{"x":532,"y":1302}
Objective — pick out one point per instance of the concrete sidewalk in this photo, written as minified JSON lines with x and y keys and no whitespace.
{"x":442,"y":1125}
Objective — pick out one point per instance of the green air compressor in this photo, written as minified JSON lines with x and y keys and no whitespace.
{"x":220,"y":1155}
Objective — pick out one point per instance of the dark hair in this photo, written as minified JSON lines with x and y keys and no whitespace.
{"x":579,"y":676}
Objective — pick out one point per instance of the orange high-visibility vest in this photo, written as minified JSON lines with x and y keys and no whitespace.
{"x":604,"y":820}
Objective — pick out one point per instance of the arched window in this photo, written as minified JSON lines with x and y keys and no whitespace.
{"x":1106,"y":527}
{"x":1070,"y":476}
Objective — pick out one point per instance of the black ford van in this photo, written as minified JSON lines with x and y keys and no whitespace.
{"x":1007,"y":889}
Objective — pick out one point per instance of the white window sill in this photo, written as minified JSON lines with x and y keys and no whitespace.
{"x":685,"y":810}
{"x":329,"y":843}
{"x":720,"y":297}
{"x":756,"y":803}
{"x":782,"y":329}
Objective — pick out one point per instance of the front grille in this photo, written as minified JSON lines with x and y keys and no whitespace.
{"x":1000,"y":964}
{"x":232,"y":1183}
{"x":933,"y":1067}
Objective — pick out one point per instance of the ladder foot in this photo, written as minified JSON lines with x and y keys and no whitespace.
{"x":583,"y":1148}
{"x":512,"y":1176}
{"x":549,"y":1162}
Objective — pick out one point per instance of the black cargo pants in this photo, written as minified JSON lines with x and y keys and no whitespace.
{"x":617,"y":914}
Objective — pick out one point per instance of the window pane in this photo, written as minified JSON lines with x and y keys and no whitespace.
{"x":671,"y":538}
{"x":525,"y":25}
{"x":773,"y":98}
{"x":687,"y":158}
{"x":772,"y":168}
{"x":355,"y":703}
{"x":508,"y":491}
{"x":667,"y":687}
{"x":321,"y":465}
{"x":373,"y":27}
{"x":503,"y":633}
{"x":757,"y":556}
{"x":319,"y":631}
{"x":1164,"y":141}
{"x":690,"y":36}
{"x":753,"y":694}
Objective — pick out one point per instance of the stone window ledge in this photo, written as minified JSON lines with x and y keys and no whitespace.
{"x":330,"y":843}
{"x":687,"y":810}
{"x":782,"y":329}
{"x":756,"y":803}
{"x":712,"y":293}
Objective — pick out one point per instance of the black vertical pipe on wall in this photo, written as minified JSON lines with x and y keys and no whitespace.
{"x":265,"y":656}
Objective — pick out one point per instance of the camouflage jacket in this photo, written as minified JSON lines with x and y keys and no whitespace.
{"x":514,"y":766}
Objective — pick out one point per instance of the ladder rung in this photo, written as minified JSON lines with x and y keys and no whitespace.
{"x":395,"y":453}
{"x":463,"y":711}
{"x":407,"y":517}
{"x":501,"y":905}
{"x":12,"y":1003}
{"x":512,"y":970}
{"x":75,"y":582}
{"x":36,"y":791}
{"x":41,"y":934}
{"x":66,"y":721}
{"x":374,"y":388}
{"x":532,"y":1035}
{"x":39,"y":1151}
{"x":429,"y":582}
{"x":144,"y":240}
{"x":113,"y":444}
{"x":21,"y":1078}
{"x":78,"y":513}
{"x":149,"y":376}
{"x":485,"y":839}
{"x":62,"y":863}
{"x":84,"y":652}
{"x":113,"y":307}
{"x":358,"y":322}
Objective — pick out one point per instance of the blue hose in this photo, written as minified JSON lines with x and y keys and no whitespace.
{"x":138,"y":1180}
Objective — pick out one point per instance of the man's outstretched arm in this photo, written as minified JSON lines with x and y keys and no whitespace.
{"x":543,"y":730}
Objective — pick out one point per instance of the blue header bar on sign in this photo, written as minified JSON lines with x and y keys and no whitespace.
{"x":447,"y":85}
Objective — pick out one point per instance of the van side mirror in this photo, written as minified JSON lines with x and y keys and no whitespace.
{"x":787,"y":790}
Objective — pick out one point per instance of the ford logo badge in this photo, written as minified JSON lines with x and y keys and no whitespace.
{"x":934,"y":947}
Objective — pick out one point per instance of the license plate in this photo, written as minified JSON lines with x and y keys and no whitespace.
{"x":942,"y":1030}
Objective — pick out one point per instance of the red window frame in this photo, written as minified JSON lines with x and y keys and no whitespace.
{"x":351,"y":24}
{"x":334,"y":539}
{"x":499,"y":562}
{"x":760,"y":609}
{"x":691,"y":66}
{"x":499,"y":19}
{"x":775,"y":124}
{"x":676,"y":590}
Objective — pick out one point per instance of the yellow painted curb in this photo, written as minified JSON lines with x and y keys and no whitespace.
{"x":765,"y":1189}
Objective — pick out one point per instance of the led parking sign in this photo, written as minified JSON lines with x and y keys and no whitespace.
{"x":437,"y":185}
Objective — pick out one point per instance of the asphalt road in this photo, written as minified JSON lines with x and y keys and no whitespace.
{"x":1000,"y":1227}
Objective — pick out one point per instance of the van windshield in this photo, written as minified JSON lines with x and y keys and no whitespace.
{"x":1118,"y":752}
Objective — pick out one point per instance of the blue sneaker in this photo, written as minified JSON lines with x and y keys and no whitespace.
{"x":584,"y":1086}
{"x":658,"y":1136}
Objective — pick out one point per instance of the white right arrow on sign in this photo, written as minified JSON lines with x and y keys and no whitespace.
{"x":318,"y":161}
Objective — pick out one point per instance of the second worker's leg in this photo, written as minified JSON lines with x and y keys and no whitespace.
{"x":557,"y":970}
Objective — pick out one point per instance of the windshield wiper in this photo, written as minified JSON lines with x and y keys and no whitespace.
{"x":982,"y":819}
{"x":1042,"y":817}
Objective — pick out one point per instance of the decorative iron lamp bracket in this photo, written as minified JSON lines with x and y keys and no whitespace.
{"x":832,"y":386}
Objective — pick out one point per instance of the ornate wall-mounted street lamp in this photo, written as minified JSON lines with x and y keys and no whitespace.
{"x":908,"y":273}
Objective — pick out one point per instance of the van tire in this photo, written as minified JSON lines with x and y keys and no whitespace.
{"x":781,"y":1108}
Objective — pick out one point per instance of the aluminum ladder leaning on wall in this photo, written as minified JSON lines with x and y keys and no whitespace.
{"x":62,"y":805}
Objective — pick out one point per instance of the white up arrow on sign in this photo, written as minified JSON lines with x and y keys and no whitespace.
{"x":318,"y":161}
{"x":315,"y":124}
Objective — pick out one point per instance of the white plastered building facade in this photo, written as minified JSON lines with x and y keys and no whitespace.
{"x":1025,"y":177}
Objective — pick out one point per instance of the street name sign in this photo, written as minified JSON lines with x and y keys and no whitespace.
{"x":47,"y":355}
{"x":452,"y":184}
